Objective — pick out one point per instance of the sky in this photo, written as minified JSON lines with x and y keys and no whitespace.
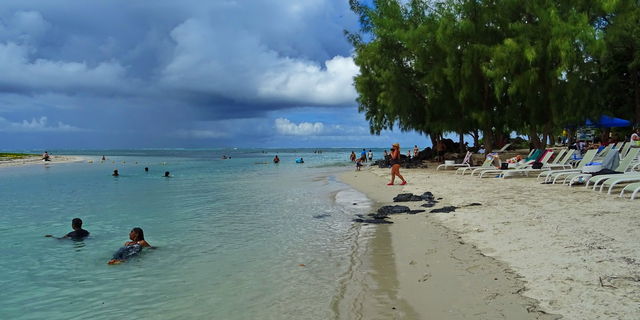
{"x":160,"y":74}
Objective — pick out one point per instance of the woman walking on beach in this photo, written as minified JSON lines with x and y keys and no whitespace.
{"x":395,"y":165}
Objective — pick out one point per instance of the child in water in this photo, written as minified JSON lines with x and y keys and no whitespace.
{"x":131,"y":248}
{"x":77,"y":234}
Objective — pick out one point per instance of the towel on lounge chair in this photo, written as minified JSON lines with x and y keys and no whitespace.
{"x":611,"y":160}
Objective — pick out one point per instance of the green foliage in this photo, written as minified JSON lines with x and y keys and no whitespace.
{"x":14,"y":156}
{"x":496,"y":65}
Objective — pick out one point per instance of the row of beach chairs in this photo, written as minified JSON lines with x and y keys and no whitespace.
{"x":564,"y":169}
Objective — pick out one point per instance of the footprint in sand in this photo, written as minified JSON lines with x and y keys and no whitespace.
{"x":425,"y":278}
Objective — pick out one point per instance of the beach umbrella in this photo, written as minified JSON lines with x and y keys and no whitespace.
{"x":608,"y":122}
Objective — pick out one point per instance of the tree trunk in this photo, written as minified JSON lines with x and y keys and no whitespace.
{"x":637,"y":97}
{"x":487,"y":136}
{"x":534,"y":139}
{"x":604,"y":137}
{"x":461,"y":142}
{"x":434,"y":141}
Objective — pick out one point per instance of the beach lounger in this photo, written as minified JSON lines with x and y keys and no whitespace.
{"x":503,"y":149}
{"x":561,"y":160}
{"x":465,"y":162}
{"x":624,"y":165}
{"x":485,"y":164}
{"x":564,"y":162}
{"x":533,"y":156}
{"x":625,"y":149}
{"x":521,"y":171}
{"x":634,"y":188}
{"x":555,"y":175}
{"x":604,"y":151}
{"x":620,"y":179}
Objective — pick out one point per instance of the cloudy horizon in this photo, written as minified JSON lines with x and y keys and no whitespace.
{"x":119,"y":74}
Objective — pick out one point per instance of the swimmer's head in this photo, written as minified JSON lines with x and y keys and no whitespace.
{"x":166,"y":173}
{"x":136,"y":234}
{"x":146,"y":169}
{"x":76,"y":223}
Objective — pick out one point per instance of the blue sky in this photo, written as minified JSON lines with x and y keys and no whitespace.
{"x":127,"y":74}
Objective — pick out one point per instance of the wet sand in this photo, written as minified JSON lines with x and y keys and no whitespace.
{"x":419,"y":269}
{"x":562,"y":250}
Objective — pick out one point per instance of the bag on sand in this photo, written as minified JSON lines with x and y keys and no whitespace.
{"x":536,"y":165}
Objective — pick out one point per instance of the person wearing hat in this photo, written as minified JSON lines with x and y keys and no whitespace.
{"x":395,"y":165}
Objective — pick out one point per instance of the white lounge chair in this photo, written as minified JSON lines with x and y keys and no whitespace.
{"x":523,"y":170}
{"x":503,"y":149}
{"x":485,"y":164}
{"x":634,"y":188}
{"x":554,"y":175}
{"x":625,"y":149}
{"x":624,"y":165}
{"x":621,"y":178}
{"x":562,"y":162}
{"x":465,"y":162}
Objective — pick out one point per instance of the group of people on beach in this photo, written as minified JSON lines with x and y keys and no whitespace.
{"x":394,"y":160}
{"x":130,"y":248}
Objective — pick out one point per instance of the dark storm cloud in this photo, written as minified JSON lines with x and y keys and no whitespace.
{"x":154,"y":73}
{"x":261,"y":54}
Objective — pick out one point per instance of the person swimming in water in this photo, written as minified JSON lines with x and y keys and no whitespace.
{"x":276,"y":159}
{"x":115,"y":173}
{"x":167,"y":174}
{"x":131,"y":248}
{"x":77,"y":234}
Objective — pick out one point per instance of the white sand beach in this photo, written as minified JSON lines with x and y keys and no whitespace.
{"x":573,"y":251}
{"x":35,"y":160}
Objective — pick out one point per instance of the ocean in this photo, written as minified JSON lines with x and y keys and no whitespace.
{"x":241,"y":238}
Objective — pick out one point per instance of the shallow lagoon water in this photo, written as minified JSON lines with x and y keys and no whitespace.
{"x":235,"y":239}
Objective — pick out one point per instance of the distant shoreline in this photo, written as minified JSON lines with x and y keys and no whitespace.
{"x":35,"y":160}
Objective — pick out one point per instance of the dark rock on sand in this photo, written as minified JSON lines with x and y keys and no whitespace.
{"x":387,"y":210}
{"x":415,"y":211}
{"x":378,"y":215}
{"x":427,"y":196}
{"x":372,"y":221}
{"x":320,"y":216}
{"x":405,"y":197}
{"x":428,"y":204}
{"x":446,"y":209}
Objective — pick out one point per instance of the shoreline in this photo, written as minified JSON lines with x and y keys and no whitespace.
{"x":38,"y":160}
{"x":572,"y":250}
{"x":444,"y":277}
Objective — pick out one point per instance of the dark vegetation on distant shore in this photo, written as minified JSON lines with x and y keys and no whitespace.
{"x":490,"y":68}
{"x":14,"y":156}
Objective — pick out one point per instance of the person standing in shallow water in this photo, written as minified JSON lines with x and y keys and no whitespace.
{"x":77,"y":234}
{"x":395,"y":165}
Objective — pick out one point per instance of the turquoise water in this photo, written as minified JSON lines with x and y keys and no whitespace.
{"x":235,"y":239}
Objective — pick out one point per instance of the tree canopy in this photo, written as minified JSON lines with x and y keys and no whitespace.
{"x":496,"y":66}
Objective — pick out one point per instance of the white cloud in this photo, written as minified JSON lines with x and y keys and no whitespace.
{"x":18,"y":70}
{"x":286,"y":127}
{"x":35,"y":125}
{"x":299,"y":80}
{"x":237,"y":64}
